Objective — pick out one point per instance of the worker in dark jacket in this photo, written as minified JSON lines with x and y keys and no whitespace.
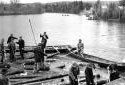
{"x":10,"y":37}
{"x":2,"y":50}
{"x":44,"y":39}
{"x":39,"y":57}
{"x":21,"y":46}
{"x":12,"y":49}
{"x":113,"y":72}
{"x":73,"y":74}
{"x":89,"y":75}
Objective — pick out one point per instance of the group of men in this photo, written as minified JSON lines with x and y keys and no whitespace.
{"x":90,"y":77}
{"x":12,"y":47}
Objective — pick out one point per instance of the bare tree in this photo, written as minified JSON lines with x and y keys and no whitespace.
{"x":14,"y":1}
{"x":14,"y":5}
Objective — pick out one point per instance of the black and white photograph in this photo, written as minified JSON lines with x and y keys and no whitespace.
{"x":62,"y":42}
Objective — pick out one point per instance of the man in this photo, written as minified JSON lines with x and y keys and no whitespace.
{"x":113,"y":73}
{"x":10,"y":37}
{"x":21,"y":46}
{"x":2,"y":49}
{"x":44,"y":39}
{"x":89,"y":75}
{"x":3,"y":78}
{"x":80,"y":47}
{"x":73,"y":74}
{"x":39,"y":57}
{"x":12,"y":48}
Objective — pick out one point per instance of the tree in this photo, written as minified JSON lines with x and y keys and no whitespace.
{"x":122,"y":3}
{"x":15,"y":3}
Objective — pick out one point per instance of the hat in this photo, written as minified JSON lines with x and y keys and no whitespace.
{"x":74,"y":64}
{"x":89,"y":65}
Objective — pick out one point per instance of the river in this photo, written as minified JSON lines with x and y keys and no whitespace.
{"x":101,"y":38}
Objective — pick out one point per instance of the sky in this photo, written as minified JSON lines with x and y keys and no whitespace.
{"x":48,"y":1}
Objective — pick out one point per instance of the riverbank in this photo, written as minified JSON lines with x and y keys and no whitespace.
{"x":21,"y":9}
{"x":38,"y":8}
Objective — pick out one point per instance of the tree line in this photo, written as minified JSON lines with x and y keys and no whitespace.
{"x":14,"y":7}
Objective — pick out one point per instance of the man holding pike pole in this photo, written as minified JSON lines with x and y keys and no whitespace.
{"x":44,"y":39}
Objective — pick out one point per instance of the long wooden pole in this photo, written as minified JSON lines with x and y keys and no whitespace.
{"x":32,"y":32}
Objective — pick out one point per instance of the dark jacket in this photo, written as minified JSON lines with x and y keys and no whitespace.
{"x":9,"y":39}
{"x":44,"y":38}
{"x":4,"y":80}
{"x":21,"y":44}
{"x":114,"y":75}
{"x":2,"y":48}
{"x":89,"y":74}
{"x":39,"y":54}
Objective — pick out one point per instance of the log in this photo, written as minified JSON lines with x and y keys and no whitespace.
{"x":4,"y":65}
{"x":24,"y":77}
{"x":61,"y":67}
{"x":39,"y":79}
{"x":29,"y":62}
{"x":15,"y":72}
{"x":45,"y":68}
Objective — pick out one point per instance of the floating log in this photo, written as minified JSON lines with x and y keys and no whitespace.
{"x":31,"y":67}
{"x":103,"y":63}
{"x":51,"y":60}
{"x":15,"y":72}
{"x":92,"y":59}
{"x":39,"y":79}
{"x":24,"y":77}
{"x":49,"y":49}
{"x":29,"y":62}
{"x":62,"y":66}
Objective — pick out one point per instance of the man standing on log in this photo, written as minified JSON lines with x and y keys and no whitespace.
{"x":89,"y":75}
{"x":12,"y":48}
{"x":2,"y":50}
{"x":80,"y":47}
{"x":39,"y":57}
{"x":73,"y":74}
{"x":21,"y":46}
{"x":44,"y":39}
